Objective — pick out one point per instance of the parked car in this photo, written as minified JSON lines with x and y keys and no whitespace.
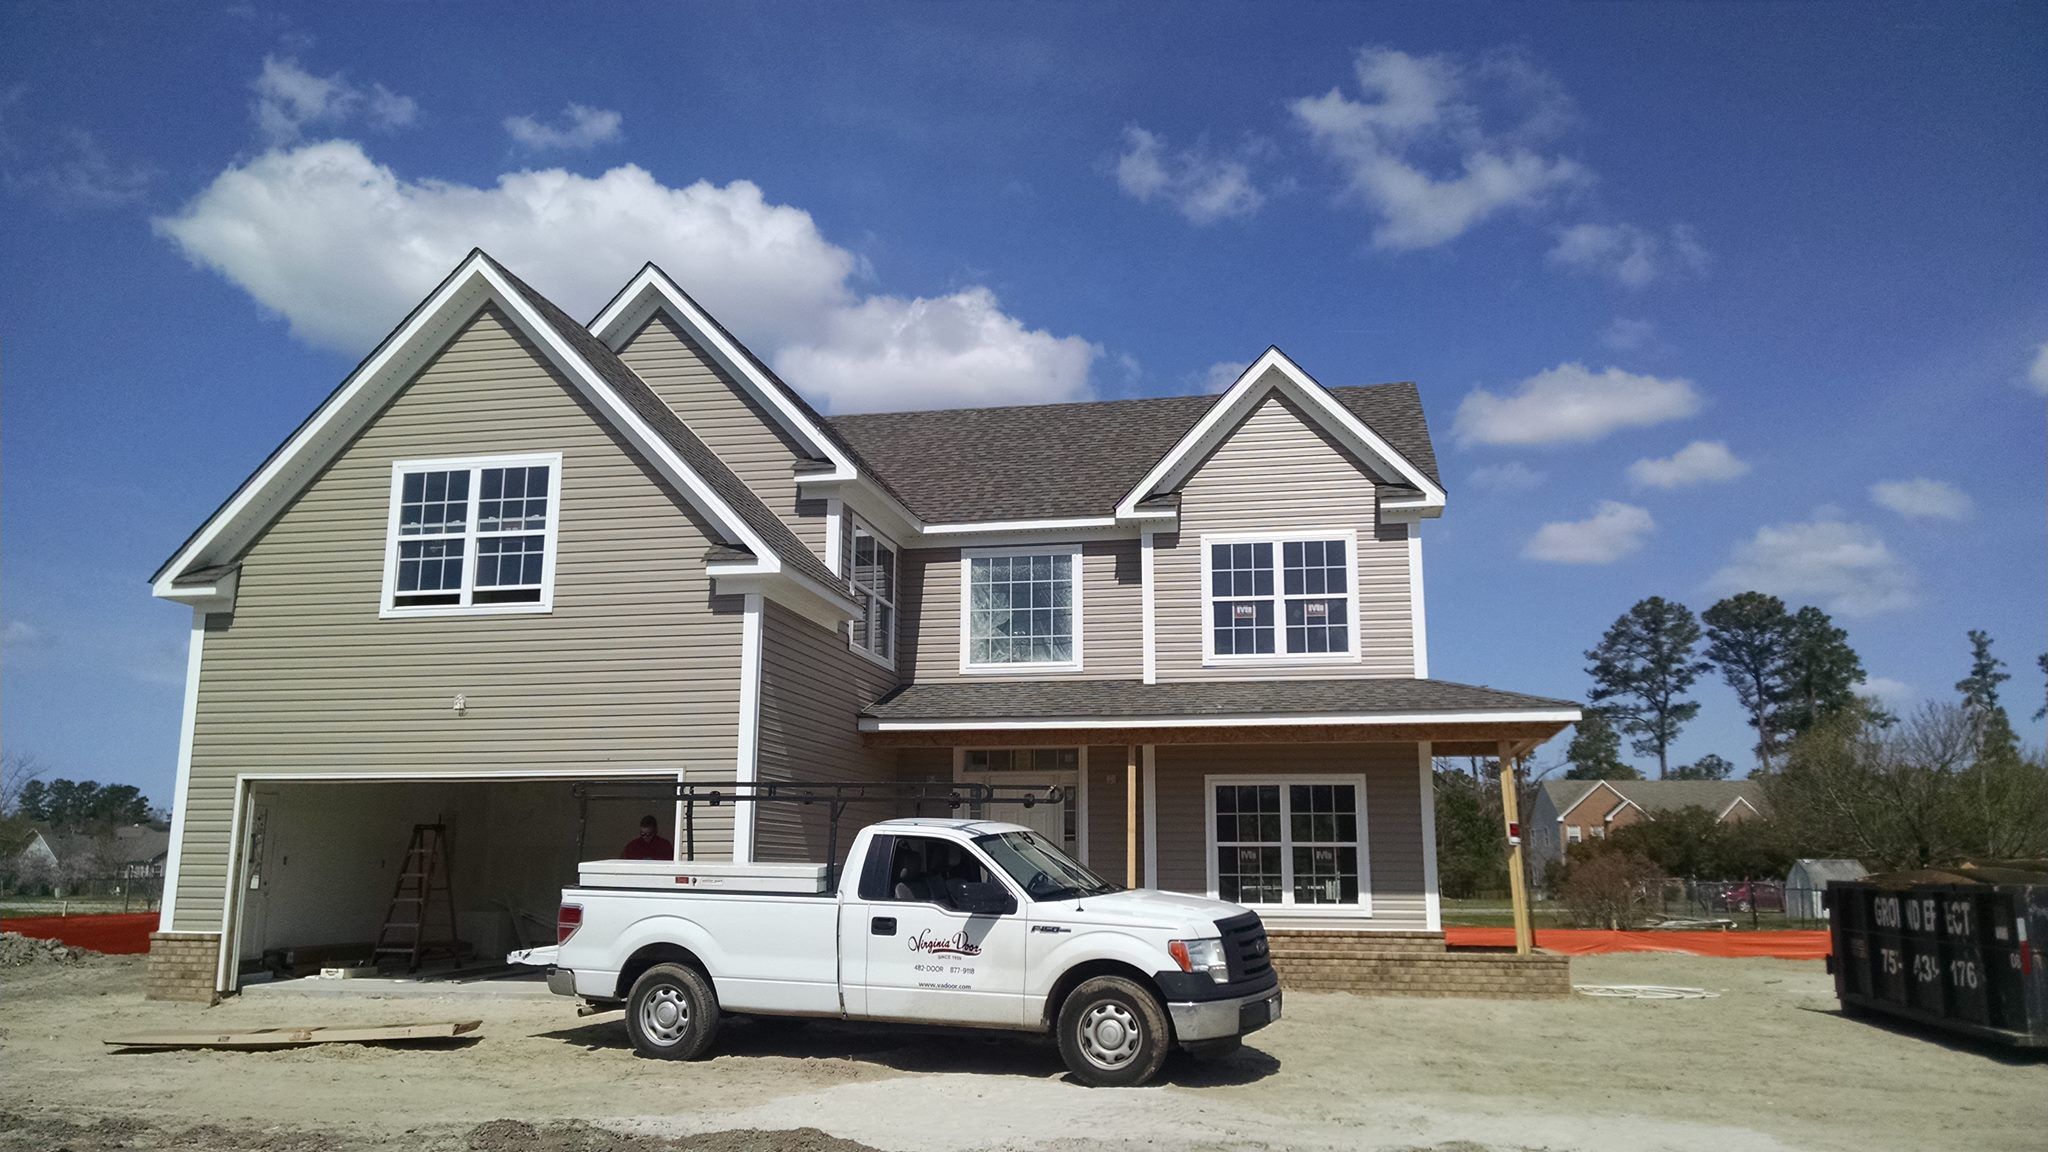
{"x":953,"y":922}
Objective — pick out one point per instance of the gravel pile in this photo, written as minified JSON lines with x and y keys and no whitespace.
{"x":18,"y":951}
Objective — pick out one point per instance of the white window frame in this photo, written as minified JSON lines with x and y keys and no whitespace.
{"x":967,"y":558}
{"x":1283,"y":781}
{"x":1351,"y":655}
{"x":1573,"y":834}
{"x":856,"y":527}
{"x":473,"y":464}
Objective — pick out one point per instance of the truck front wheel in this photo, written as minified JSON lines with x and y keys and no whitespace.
{"x":672,"y":1013}
{"x":1113,"y":1033}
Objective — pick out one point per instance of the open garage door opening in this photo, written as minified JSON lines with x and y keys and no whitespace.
{"x":321,"y":861}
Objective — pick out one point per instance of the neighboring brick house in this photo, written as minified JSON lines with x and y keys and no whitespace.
{"x":1568,"y":812}
{"x":511,"y":552}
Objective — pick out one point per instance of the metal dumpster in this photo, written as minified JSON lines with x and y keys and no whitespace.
{"x":1959,"y":956}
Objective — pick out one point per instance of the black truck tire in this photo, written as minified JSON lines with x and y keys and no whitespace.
{"x":1113,"y":1033}
{"x":672,"y":1013}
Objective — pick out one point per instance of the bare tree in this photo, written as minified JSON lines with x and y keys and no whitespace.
{"x":16,"y":770}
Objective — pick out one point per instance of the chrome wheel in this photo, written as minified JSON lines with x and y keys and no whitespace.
{"x":664,"y":1015}
{"x":1110,"y":1035}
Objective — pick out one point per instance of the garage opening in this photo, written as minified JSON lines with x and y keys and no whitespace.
{"x":322,"y":859}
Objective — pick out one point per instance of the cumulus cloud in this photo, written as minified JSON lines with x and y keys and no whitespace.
{"x":1893,"y":694}
{"x":289,"y":100}
{"x":1513,"y":476}
{"x":1613,"y":531}
{"x":1627,"y":335}
{"x":1423,"y":147}
{"x":578,"y":127}
{"x":1572,"y":404}
{"x":1220,"y":375}
{"x":1923,"y":499}
{"x":2037,"y":373}
{"x":1631,"y":256}
{"x":342,"y":247}
{"x":1844,"y":567}
{"x":1196,"y":182}
{"x":1700,"y":462}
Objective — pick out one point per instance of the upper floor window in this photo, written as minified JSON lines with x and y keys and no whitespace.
{"x":1021,"y":608}
{"x":873,"y":581}
{"x":1279,"y":596}
{"x":472,"y":535}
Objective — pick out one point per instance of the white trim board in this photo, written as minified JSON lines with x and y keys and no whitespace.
{"x":1221,"y":720}
{"x":747,"y":768}
{"x":1432,"y":899}
{"x":180,"y":796}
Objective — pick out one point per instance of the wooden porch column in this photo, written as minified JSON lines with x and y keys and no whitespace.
{"x":1511,"y":813}
{"x":1131,"y":816}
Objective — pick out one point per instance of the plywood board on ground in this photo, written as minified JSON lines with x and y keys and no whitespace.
{"x":296,"y":1035}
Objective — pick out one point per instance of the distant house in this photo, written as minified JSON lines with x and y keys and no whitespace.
{"x":1570,"y":812}
{"x":74,"y":861}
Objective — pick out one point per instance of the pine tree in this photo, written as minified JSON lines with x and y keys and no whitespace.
{"x":1708,"y":767}
{"x":1995,"y":735}
{"x":1821,"y":674}
{"x":1595,"y":751}
{"x":1749,"y":638}
{"x":1642,"y":668}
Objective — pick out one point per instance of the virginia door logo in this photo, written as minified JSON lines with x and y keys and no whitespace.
{"x":955,"y":945}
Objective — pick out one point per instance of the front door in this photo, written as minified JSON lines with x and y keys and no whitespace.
{"x":1033,"y":768}
{"x":927,"y":959}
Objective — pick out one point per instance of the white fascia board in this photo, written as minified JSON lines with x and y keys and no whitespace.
{"x":1239,"y":398}
{"x":651,"y":290}
{"x":216,"y":595}
{"x":1251,"y":720}
{"x":1588,"y":795}
{"x":826,"y":607}
{"x":460,"y":297}
{"x":1731,"y":807}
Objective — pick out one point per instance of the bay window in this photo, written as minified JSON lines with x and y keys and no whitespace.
{"x":873,"y":582}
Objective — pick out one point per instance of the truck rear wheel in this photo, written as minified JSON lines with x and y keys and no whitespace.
{"x":1113,"y":1033}
{"x":672,"y":1013}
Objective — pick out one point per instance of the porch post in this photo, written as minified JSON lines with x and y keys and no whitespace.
{"x":1130,"y":816}
{"x":1511,"y":812}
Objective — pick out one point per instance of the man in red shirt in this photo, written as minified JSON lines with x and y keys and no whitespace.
{"x":648,"y":845}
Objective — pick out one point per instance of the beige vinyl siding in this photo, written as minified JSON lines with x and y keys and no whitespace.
{"x":1112,"y":623}
{"x":637,"y":665}
{"x":1279,"y":472}
{"x":729,"y":421}
{"x":1108,"y":833}
{"x":812,"y":691}
{"x":1393,"y":814}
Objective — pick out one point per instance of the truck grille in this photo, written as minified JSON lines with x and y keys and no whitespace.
{"x":1244,"y":947}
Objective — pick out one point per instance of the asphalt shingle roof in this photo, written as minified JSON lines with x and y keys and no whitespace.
{"x":1114,"y":699}
{"x":694,"y":452}
{"x":1660,"y":795}
{"x":1061,"y":460}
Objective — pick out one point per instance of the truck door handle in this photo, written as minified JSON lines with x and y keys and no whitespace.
{"x":882,"y":926}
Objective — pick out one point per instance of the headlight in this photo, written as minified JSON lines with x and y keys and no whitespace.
{"x":1200,"y":956}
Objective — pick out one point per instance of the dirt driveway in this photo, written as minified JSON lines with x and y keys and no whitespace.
{"x":1768,"y":1065}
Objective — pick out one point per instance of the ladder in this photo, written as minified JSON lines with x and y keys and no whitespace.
{"x":411,"y":929}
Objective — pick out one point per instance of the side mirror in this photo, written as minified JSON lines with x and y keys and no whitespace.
{"x":981,"y":898}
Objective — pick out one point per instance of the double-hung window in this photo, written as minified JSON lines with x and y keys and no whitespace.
{"x":1275,"y":597}
{"x":1288,"y":841}
{"x":1020,"y":608}
{"x":873,"y":582}
{"x":472,"y":535}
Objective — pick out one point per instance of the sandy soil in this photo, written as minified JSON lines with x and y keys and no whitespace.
{"x":1768,"y":1065}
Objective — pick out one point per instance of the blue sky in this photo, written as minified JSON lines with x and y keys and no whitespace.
{"x":1699,"y":297}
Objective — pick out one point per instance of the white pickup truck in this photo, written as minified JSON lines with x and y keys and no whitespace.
{"x":958,"y":922}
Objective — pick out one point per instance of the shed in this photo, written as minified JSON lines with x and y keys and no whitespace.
{"x":1808,"y":879}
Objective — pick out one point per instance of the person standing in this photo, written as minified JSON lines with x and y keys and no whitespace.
{"x":649,"y":844}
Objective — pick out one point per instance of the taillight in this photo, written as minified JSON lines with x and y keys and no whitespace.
{"x":567,"y":921}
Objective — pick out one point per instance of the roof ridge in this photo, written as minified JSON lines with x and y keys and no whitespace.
{"x":1097,"y":404}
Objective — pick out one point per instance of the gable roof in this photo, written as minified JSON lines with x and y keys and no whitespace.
{"x":735,"y":514}
{"x":1059,"y":461}
{"x":1654,"y":796}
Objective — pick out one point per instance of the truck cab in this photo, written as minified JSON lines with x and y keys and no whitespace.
{"x":971,"y":923}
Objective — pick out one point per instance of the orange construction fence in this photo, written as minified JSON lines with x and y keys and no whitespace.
{"x":1780,"y":945}
{"x":120,"y":934}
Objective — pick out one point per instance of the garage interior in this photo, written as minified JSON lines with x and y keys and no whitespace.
{"x":324,"y":857}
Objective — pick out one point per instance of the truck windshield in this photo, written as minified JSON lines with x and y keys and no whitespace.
{"x":1045,"y":872}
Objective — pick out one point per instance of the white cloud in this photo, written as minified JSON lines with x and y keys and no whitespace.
{"x":1572,"y":404}
{"x":20,"y":636}
{"x":1845,"y":567}
{"x":1631,"y":256}
{"x":290,"y":100}
{"x":1613,"y":531}
{"x":1199,"y":184}
{"x":1513,"y":476}
{"x":1626,"y":335}
{"x":1891,"y":693}
{"x":1923,"y":499}
{"x":1416,"y":150}
{"x":580,"y":126}
{"x":2037,"y":374}
{"x":1700,"y":462}
{"x":1220,"y":375}
{"x":342,"y":247}
{"x":76,"y":172}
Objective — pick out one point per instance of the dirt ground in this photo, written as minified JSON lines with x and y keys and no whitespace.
{"x":1770,"y":1064}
